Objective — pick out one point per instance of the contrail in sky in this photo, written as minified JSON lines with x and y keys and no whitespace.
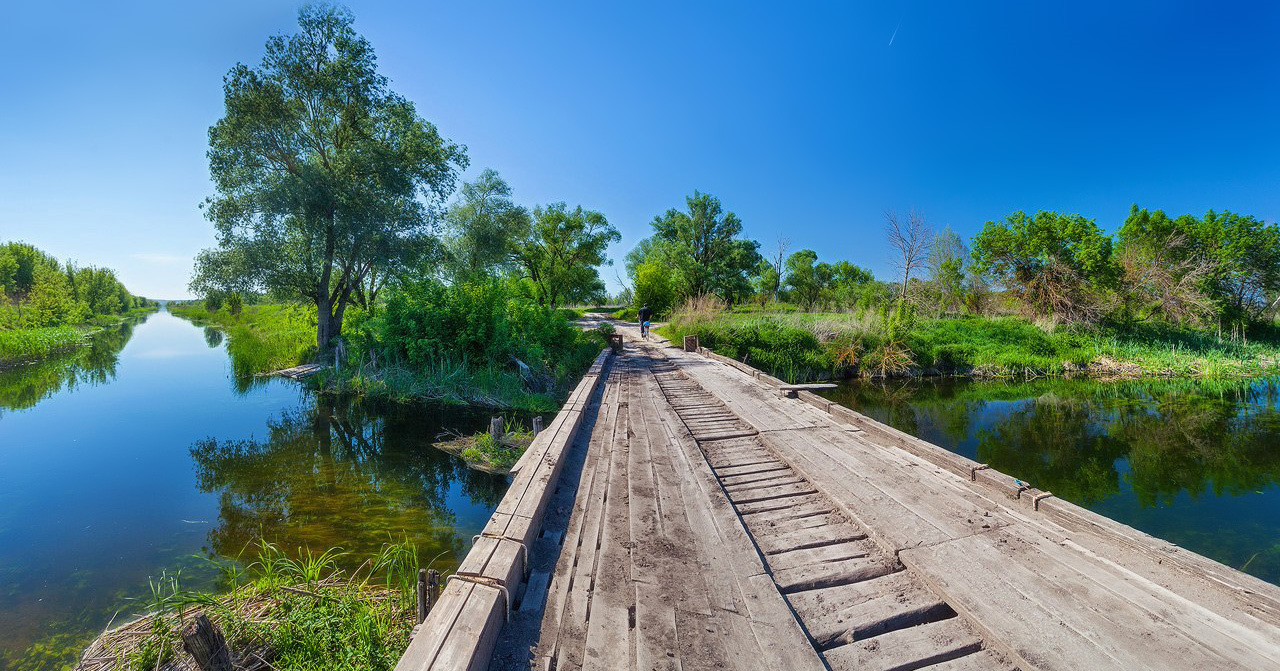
{"x":895,"y":33}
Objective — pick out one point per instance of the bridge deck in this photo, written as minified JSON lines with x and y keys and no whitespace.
{"x":703,"y":521}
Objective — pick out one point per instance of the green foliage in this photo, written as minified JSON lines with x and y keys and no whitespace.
{"x":39,"y":292}
{"x":324,"y":176}
{"x":260,"y":338}
{"x":483,"y":228}
{"x":559,"y":254}
{"x":37,"y":343}
{"x":703,"y":248}
{"x":655,"y":287}
{"x":302,"y":605}
{"x":1233,"y":258}
{"x":474,"y":341}
{"x":1051,"y":261}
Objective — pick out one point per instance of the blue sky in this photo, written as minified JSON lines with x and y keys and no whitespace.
{"x":808,"y":120}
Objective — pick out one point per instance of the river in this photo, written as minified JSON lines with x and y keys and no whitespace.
{"x":142,"y":455}
{"x":1193,"y":462}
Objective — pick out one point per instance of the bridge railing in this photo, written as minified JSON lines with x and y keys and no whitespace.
{"x":463,"y":626}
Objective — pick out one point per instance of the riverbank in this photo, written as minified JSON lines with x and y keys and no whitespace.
{"x":19,"y":347}
{"x":534,"y":357}
{"x":810,"y":346}
{"x":279,"y":612}
{"x":260,"y":338}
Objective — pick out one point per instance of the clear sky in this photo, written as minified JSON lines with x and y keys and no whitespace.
{"x":809,"y":120}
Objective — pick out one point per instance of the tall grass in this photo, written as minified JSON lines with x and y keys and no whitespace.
{"x":261,"y":338}
{"x":294,"y":610}
{"x":798,"y":346}
{"x":23,"y":345}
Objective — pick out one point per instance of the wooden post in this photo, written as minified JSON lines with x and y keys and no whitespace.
{"x":422,"y":595}
{"x":691,"y":343}
{"x":495,"y":428}
{"x":615,"y":342}
{"x":206,"y":645}
{"x":433,"y":588}
{"x":537,"y":425}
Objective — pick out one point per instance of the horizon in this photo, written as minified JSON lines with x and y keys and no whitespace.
{"x":807,"y":125}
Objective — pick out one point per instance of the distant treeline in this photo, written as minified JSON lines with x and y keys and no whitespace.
{"x":37,"y":290}
{"x":1220,"y":271}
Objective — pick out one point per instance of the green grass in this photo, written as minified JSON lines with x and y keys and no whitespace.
{"x":446,"y":380}
{"x":299,"y":610}
{"x":806,"y":346}
{"x":262,"y":338}
{"x":24,"y":345}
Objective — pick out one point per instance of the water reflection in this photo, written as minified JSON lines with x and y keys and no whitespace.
{"x":342,"y":476}
{"x":1190,"y":461}
{"x":127,"y":460}
{"x":23,"y":387}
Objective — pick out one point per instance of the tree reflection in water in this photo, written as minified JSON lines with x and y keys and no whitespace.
{"x":337,"y":475}
{"x":1133,"y":450}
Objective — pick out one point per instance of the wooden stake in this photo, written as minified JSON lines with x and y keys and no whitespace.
{"x":433,"y":588}
{"x":422,"y":595}
{"x":537,"y":425}
{"x":495,"y":428}
{"x":206,"y":645}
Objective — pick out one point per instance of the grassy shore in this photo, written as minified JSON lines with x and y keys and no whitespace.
{"x":808,"y":346}
{"x":292,"y":611}
{"x":265,"y":338}
{"x":22,"y":346}
{"x":260,"y":338}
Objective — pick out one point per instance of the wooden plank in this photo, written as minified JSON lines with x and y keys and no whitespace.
{"x":470,"y":642}
{"x":835,"y":615}
{"x":801,"y":539}
{"x":1071,"y":612}
{"x":562,"y":579}
{"x":778,"y":492}
{"x":816,"y":507}
{"x":831,"y":573}
{"x":781,"y":479}
{"x":425,"y":646}
{"x":771,"y":505}
{"x":899,"y":509}
{"x":984,"y":660}
{"x":778,"y":641}
{"x":655,"y":625}
{"x":570,"y":651}
{"x":826,"y":553}
{"x":737,"y":471}
{"x":910,"y":648}
{"x":608,"y":642}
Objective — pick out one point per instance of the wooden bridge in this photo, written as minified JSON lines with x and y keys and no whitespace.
{"x":682,"y":513}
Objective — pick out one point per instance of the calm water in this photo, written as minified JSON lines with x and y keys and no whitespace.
{"x":142,"y":454}
{"x":1196,"y":463}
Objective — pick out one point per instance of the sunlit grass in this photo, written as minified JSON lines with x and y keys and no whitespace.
{"x":20,"y":345}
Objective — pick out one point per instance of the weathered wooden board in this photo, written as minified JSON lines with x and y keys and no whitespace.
{"x":1058,"y":608}
{"x":910,"y":648}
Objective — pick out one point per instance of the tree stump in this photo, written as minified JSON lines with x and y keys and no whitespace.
{"x":495,"y":428}
{"x":691,"y":343}
{"x":206,"y":644}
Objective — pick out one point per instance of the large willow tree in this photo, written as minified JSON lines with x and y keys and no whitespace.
{"x":325,"y":178}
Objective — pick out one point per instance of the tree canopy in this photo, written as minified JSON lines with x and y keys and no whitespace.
{"x":702,"y":246}
{"x":559,"y":253}
{"x":483,"y":228}
{"x":1049,"y":260}
{"x":324,"y":176}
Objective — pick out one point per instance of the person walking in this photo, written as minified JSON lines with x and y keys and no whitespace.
{"x":645,"y":313}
